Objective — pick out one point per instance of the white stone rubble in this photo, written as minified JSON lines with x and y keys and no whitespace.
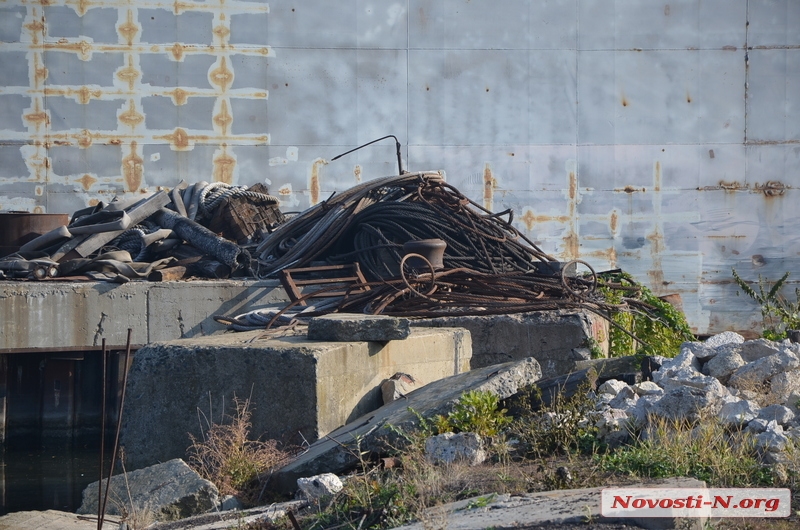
{"x":752,"y":385}
{"x":319,"y":486}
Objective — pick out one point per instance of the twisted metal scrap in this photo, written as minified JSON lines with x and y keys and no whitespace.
{"x":370,"y":222}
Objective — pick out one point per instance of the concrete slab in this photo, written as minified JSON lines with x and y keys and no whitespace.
{"x":54,"y":520}
{"x":549,"y":508}
{"x":297,"y":387}
{"x":557,"y":339}
{"x":349,"y":327}
{"x":378,"y":430}
{"x":57,"y":314}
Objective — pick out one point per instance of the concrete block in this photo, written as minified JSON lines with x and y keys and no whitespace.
{"x":297,"y":387}
{"x":167,"y":491}
{"x":346,"y":327}
{"x":557,"y":339}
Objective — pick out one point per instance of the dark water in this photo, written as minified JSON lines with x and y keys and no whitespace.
{"x":47,"y":475}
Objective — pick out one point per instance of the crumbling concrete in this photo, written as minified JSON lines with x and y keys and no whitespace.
{"x":557,"y":339}
{"x":297,"y":387}
{"x":380,"y":430}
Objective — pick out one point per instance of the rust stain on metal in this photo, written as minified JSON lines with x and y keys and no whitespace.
{"x":771,"y":188}
{"x":39,"y":72}
{"x":286,"y":189}
{"x":629,"y":189}
{"x":488,"y":186}
{"x":85,"y":94}
{"x":314,"y":186}
{"x":129,"y":28}
{"x":38,"y":117}
{"x":35,"y":27}
{"x":177,"y":51}
{"x":82,"y":48}
{"x":614,"y":222}
{"x":571,"y":246}
{"x":357,"y":172}
{"x":132,"y":169}
{"x":729,"y":48}
{"x":221,"y":32}
{"x":224,"y":118}
{"x":221,"y":76}
{"x":87,"y":181}
{"x":115,"y":141}
{"x":656,"y":274}
{"x":179,"y":96}
{"x":129,"y":74}
{"x":624,"y":100}
{"x":178,"y":140}
{"x":711,"y":153}
{"x":573,"y":186}
{"x":610,"y":255}
{"x":657,"y":176}
{"x":224,"y":165}
{"x":131,"y":117}
{"x":688,"y":97}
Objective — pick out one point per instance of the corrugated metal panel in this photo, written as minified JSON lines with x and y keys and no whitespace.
{"x":660,"y":137}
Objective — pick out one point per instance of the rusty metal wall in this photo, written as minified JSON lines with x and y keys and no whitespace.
{"x":659,"y":137}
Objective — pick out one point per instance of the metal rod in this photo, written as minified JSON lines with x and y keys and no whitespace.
{"x":119,"y":422}
{"x":397,"y":145}
{"x":102,"y":436}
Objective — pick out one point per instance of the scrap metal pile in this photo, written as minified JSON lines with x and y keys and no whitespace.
{"x":197,"y":230}
{"x":488,"y":267}
{"x":408,"y":245}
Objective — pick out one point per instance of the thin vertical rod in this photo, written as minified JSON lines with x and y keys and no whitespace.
{"x":102,"y":436}
{"x":119,"y":418}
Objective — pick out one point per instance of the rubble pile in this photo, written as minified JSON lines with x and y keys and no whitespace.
{"x":752,"y":385}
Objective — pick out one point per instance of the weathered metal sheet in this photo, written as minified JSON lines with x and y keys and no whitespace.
{"x":659,"y":137}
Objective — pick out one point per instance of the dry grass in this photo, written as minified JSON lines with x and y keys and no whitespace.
{"x":227,"y":456}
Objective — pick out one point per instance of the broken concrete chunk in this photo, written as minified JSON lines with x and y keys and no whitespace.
{"x":319,"y":486}
{"x":772,"y":440}
{"x":686,"y":402}
{"x":168,"y":491}
{"x":785,"y":384}
{"x":611,"y":387}
{"x":738,"y":412}
{"x":344,"y":327}
{"x":753,"y":350}
{"x":754,"y":374}
{"x":726,"y":337}
{"x":447,"y":448}
{"x":723,"y":365}
{"x":647,"y":388}
{"x":780,"y":414}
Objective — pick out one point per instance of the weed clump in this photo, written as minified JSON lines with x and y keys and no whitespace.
{"x":225,"y":454}
{"x":476,"y":411}
{"x":706,"y":451}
